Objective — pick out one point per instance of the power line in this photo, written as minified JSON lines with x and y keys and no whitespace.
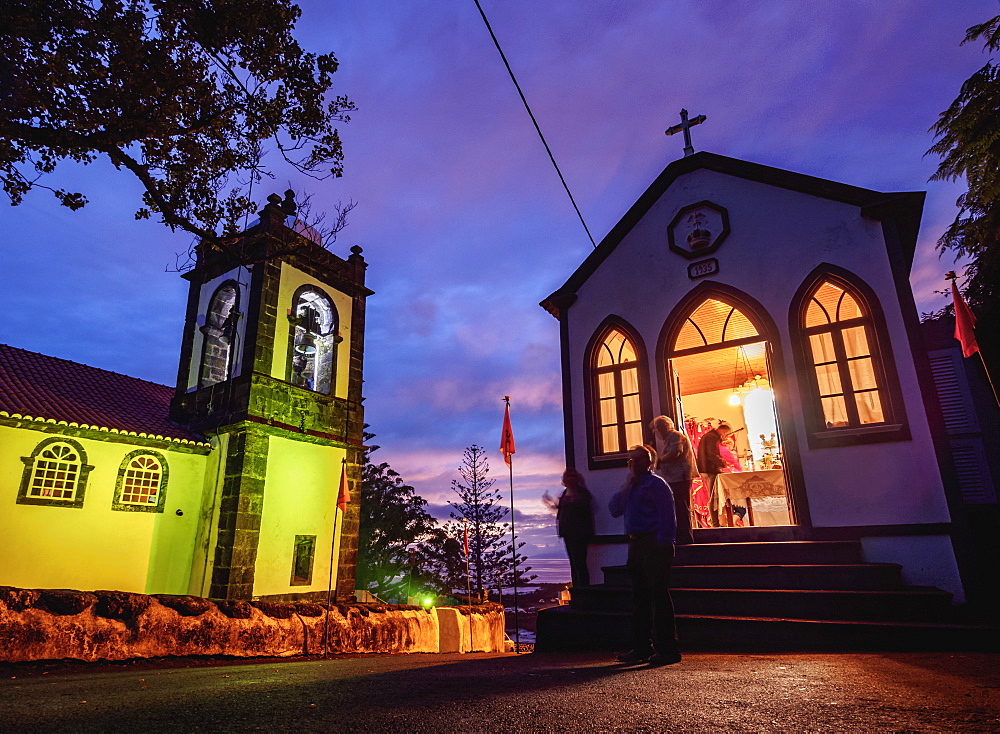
{"x":534,"y":121}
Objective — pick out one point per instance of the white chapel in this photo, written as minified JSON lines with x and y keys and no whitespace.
{"x":778,"y":303}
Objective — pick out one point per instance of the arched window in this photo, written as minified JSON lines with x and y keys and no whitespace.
{"x":313,"y":340}
{"x":615,"y":374}
{"x":713,"y":322}
{"x":219,"y":334}
{"x":841,"y":350}
{"x":843,"y":353}
{"x":55,"y":474}
{"x":142,"y":480}
{"x":57,"y":470}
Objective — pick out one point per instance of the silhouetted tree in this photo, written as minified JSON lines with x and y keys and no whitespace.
{"x":489,"y":544}
{"x":968,"y":141}
{"x":440,"y":562}
{"x":393,"y":519}
{"x":182,"y":94}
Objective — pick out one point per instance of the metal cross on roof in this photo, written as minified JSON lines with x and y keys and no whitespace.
{"x":686,"y":125}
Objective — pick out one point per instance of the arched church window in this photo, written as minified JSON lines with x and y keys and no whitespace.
{"x":844,"y":366}
{"x":713,"y":322}
{"x":313,"y":340}
{"x":616,"y":391}
{"x":55,"y":474}
{"x":219,"y":333}
{"x":57,"y":470}
{"x":141,"y":485}
{"x":844,"y":352}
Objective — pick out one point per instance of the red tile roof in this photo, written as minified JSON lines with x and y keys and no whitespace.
{"x":44,"y":387}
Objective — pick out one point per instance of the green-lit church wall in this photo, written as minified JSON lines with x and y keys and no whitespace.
{"x":95,"y":546}
{"x":300,"y":499}
{"x":208,"y":518}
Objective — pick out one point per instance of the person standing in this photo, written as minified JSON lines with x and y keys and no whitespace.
{"x":574,"y":522}
{"x":648,"y":508}
{"x":675,"y":464}
{"x":711,"y":463}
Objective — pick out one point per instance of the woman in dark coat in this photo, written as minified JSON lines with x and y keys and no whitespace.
{"x":575,"y":523}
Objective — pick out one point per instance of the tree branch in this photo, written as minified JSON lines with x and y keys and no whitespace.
{"x":170,"y":216}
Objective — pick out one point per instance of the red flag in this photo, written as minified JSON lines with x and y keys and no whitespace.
{"x":965,"y":322}
{"x":507,"y":436}
{"x":344,"y":496}
{"x":465,"y":527}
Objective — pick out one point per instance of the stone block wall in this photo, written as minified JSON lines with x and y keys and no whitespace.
{"x":56,"y":624}
{"x":467,"y":629}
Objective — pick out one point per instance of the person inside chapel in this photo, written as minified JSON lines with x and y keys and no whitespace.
{"x":676,"y":465}
{"x":711,"y":463}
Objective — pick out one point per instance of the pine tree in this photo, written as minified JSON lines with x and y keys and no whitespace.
{"x":480,"y":505}
{"x":968,"y":141}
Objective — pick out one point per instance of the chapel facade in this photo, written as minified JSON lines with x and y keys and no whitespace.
{"x":779,"y":304}
{"x":225,"y":485}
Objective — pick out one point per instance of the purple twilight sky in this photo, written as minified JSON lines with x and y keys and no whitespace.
{"x":464,"y":222}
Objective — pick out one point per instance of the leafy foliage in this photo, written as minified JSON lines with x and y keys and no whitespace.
{"x":968,"y":141}
{"x":439,"y":559}
{"x":183,"y":94}
{"x":489,"y":549}
{"x":393,"y":518}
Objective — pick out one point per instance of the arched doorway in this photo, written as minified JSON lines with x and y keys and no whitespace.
{"x":716,"y":352}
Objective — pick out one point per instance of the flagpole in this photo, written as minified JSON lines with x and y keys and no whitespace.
{"x":989,"y":379}
{"x":465,"y":547}
{"x":338,"y":513}
{"x":338,"y":510}
{"x":965,"y":324}
{"x":468,"y":574}
{"x":329,"y":585}
{"x":513,"y":537}
{"x":513,"y":556}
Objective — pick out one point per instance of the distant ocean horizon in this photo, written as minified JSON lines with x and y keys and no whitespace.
{"x":549,"y":570}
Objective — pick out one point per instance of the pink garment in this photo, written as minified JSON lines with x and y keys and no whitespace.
{"x":732,"y":463}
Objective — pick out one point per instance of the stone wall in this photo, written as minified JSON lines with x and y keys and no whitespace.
{"x":467,"y":629}
{"x":55,"y":624}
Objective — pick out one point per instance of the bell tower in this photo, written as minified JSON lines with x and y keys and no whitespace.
{"x":271,"y":372}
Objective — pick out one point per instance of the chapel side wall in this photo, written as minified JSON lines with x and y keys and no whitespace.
{"x":95,"y":547}
{"x":778,"y":238}
{"x":292,"y":279}
{"x":300,"y":497}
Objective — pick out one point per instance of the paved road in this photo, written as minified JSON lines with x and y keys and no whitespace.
{"x":525,"y":693}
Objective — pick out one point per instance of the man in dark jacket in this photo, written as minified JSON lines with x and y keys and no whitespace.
{"x":711,"y":464}
{"x":648,"y":507}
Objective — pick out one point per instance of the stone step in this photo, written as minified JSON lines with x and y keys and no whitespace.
{"x":805,"y":552}
{"x":772,"y":596}
{"x":908,"y":604}
{"x":852,"y":576}
{"x":565,"y":628}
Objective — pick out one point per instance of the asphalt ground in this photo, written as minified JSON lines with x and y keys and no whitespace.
{"x":513,"y":693}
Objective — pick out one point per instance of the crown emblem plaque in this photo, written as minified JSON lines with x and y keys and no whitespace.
{"x":698,"y":229}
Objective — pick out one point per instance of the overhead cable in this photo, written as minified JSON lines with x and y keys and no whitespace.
{"x":534,"y":121}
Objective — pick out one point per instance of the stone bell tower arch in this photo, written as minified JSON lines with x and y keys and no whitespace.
{"x":264,"y":309}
